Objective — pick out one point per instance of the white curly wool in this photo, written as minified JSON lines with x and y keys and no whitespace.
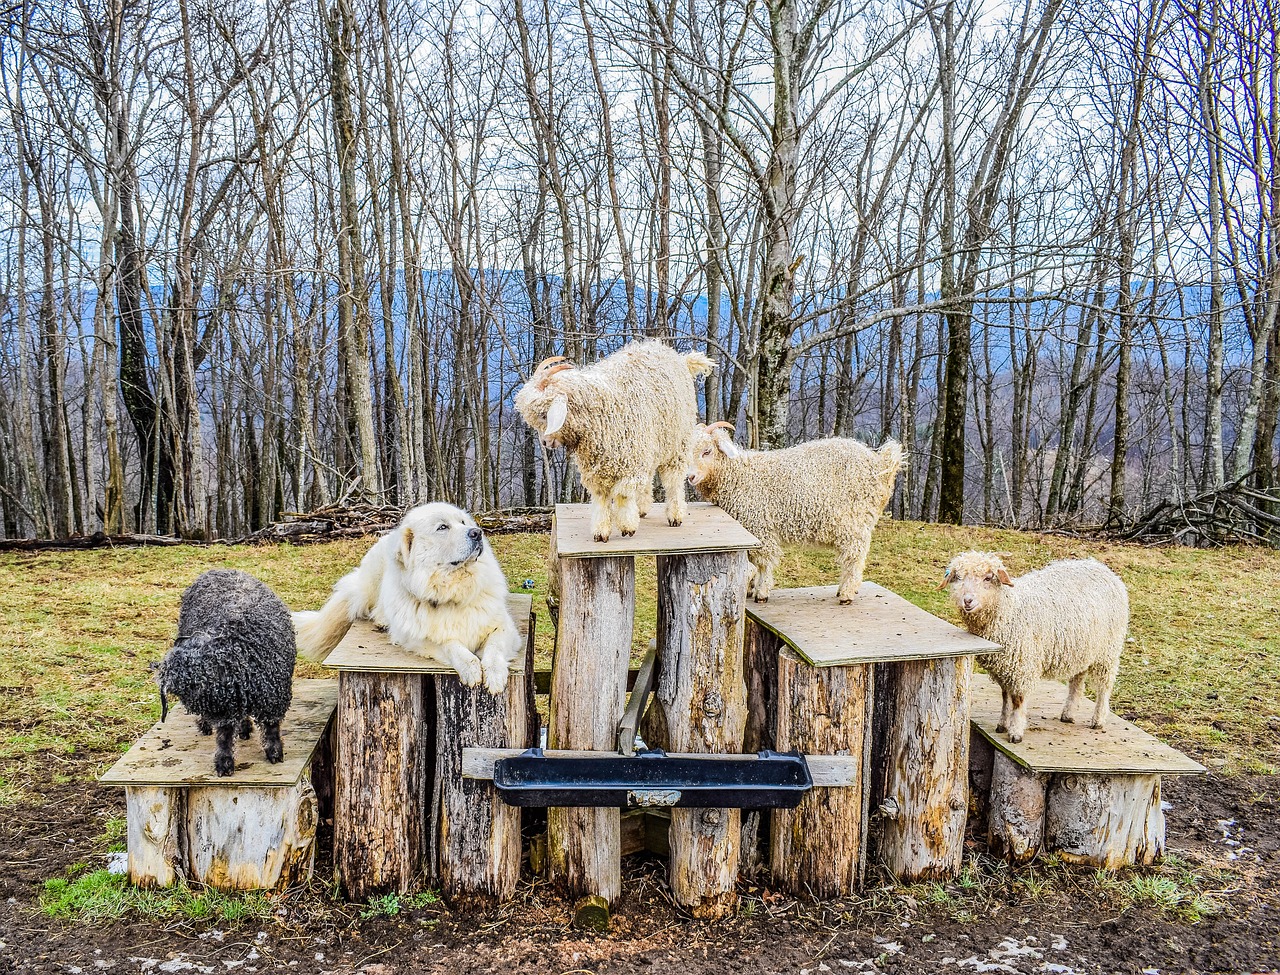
{"x":825,"y":492}
{"x":1067,"y":621}
{"x":623,"y":418}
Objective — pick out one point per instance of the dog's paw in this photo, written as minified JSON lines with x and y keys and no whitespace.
{"x":495,"y":678}
{"x":469,"y":670}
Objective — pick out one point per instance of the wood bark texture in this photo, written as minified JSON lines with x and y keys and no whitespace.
{"x":251,"y":839}
{"x":588,"y":693}
{"x":381,"y":782}
{"x":981,"y":757}
{"x":154,"y":818}
{"x":1015,"y":810}
{"x":476,"y":835}
{"x":702,"y":701}
{"x":920,"y":766}
{"x":816,"y":848}
{"x":1107,"y":821}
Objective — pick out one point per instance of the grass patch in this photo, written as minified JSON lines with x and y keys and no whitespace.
{"x":103,"y":896}
{"x":393,"y":905}
{"x":78,"y":629}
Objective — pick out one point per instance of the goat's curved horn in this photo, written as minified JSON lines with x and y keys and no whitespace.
{"x":546,"y":362}
{"x":721,"y":423}
{"x":558,"y":368}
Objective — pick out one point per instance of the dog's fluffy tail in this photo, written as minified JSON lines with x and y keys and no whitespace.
{"x":319,"y":631}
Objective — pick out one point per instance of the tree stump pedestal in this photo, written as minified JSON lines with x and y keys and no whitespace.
{"x":403,"y":811}
{"x":885,"y":683}
{"x":252,"y":830}
{"x":699,"y":702}
{"x":1090,"y":795}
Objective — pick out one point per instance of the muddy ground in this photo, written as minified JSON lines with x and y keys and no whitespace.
{"x":1230,"y":827}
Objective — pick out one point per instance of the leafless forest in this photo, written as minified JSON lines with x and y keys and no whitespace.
{"x":260,"y":257}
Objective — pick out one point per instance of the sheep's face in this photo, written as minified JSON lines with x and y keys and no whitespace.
{"x":436,"y":541}
{"x":710,"y":445}
{"x":544,"y":404}
{"x":975,"y":580}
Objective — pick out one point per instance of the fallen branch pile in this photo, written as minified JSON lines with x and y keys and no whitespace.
{"x":345,"y":519}
{"x":1231,"y":514}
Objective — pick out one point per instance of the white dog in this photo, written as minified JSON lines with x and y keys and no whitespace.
{"x":434,"y":584}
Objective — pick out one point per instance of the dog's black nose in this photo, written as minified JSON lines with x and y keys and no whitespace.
{"x":474,"y":534}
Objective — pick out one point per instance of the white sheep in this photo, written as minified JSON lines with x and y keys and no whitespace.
{"x":825,"y":492}
{"x":623,"y":418}
{"x":1065,"y":621}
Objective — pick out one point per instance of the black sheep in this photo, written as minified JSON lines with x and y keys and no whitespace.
{"x":231,"y":661}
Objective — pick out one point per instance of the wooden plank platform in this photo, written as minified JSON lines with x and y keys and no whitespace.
{"x":879,"y":626}
{"x":1051,"y":746}
{"x":706,"y":529}
{"x":176,"y":755}
{"x":367,"y":650}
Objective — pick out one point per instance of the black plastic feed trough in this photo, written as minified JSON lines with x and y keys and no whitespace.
{"x":770,"y":780}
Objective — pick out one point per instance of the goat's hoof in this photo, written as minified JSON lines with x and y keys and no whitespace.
{"x":380,"y":627}
{"x":1099,"y":726}
{"x":224,"y":764}
{"x":1001,"y":727}
{"x":1067,"y":719}
{"x":762,"y":599}
{"x":275,"y":755}
{"x":627,"y":534}
{"x":845,"y":600}
{"x":600,"y":537}
{"x":1014,"y":739}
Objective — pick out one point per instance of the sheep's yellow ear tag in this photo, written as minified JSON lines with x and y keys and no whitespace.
{"x":556,"y":415}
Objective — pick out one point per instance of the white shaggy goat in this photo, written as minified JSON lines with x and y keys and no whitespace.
{"x":623,"y":418}
{"x":1065,"y":621}
{"x":825,"y":492}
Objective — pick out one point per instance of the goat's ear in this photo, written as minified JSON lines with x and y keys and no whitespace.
{"x":406,"y":544}
{"x":946,"y":580}
{"x":556,"y":414}
{"x":1003,"y":574}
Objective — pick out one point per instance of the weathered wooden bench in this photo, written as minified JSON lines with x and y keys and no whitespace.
{"x":699,"y":703}
{"x":1090,"y":795}
{"x":402,"y":809}
{"x":882,"y":680}
{"x":250,"y":830}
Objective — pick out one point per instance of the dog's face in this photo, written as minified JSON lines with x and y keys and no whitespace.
{"x":437,"y":542}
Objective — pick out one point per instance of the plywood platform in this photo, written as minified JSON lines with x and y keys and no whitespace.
{"x":706,"y":529}
{"x":879,"y":626}
{"x":175,"y":754}
{"x":1051,"y":746}
{"x":368,"y":650}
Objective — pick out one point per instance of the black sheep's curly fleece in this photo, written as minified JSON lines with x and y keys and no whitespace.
{"x":233,"y":659}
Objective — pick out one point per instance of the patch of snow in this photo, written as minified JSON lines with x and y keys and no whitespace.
{"x":1057,"y":969}
{"x":1059,"y":943}
{"x":985,"y":966}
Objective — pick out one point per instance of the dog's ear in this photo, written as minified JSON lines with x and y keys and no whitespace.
{"x":556,"y":414}
{"x":406,"y":545}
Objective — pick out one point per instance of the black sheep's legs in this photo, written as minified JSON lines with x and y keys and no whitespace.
{"x":246,"y":729}
{"x":204,"y":726}
{"x":224,"y":760}
{"x":271,"y":742}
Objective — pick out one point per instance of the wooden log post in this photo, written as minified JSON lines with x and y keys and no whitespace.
{"x":1106,"y":821}
{"x":701,"y":701}
{"x":760,"y":671}
{"x":588,"y":693}
{"x":155,"y":818}
{"x":817,"y":848}
{"x":981,"y":757}
{"x":921,"y":765}
{"x":381,"y":783}
{"x":475,"y":835}
{"x":251,"y":838}
{"x":1015,"y":810}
